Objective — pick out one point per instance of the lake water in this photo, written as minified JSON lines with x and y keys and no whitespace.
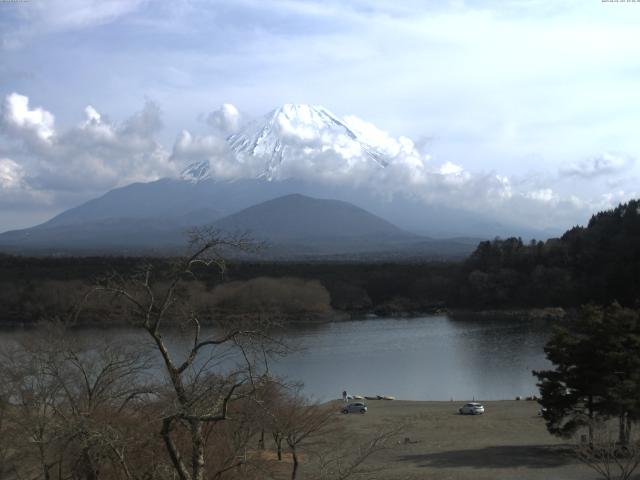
{"x":427,"y":358}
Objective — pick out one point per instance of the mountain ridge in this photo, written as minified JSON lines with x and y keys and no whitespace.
{"x":275,"y":146}
{"x":294,"y":226}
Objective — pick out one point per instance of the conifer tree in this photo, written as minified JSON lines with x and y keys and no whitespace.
{"x":596,"y":373}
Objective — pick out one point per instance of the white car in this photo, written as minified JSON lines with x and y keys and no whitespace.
{"x":356,"y":407}
{"x":472,"y":408}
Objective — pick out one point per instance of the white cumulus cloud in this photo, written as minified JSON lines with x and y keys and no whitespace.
{"x":226,"y":119}
{"x":544,"y":195}
{"x":19,"y":116}
{"x":94,"y":155}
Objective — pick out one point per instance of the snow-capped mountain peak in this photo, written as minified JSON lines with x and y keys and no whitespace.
{"x":295,"y":133}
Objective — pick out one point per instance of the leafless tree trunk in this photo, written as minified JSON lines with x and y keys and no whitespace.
{"x":198,"y":396}
{"x":295,"y":463}
{"x":302,"y":421}
{"x":277,"y":438}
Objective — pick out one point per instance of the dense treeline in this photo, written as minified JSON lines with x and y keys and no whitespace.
{"x":598,"y":263}
{"x":35,"y":288}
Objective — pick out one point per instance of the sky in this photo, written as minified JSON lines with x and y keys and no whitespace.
{"x":520,"y":108}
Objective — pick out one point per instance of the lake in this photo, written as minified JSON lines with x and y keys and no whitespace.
{"x":426,"y":358}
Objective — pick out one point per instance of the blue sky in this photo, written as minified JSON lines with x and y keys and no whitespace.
{"x":542,"y":95}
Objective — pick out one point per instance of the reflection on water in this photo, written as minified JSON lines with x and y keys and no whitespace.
{"x":428,"y":358}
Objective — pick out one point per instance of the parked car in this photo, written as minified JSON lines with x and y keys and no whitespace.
{"x":472,"y":408}
{"x":355,"y":407}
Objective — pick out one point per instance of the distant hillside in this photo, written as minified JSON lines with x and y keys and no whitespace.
{"x":298,"y":217}
{"x":169,"y":199}
{"x":294,"y":226}
{"x":599,"y":263}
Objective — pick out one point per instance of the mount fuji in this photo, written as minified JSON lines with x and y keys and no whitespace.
{"x":294,"y":133}
{"x":272,"y":151}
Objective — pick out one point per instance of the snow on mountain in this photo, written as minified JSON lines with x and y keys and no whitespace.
{"x":295,"y":137}
{"x":196,"y":172}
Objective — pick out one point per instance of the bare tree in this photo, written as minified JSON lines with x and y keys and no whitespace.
{"x":65,"y":405}
{"x":608,"y":455}
{"x":100,"y":411}
{"x":342,"y":458}
{"x":302,"y":421}
{"x":313,"y":432}
{"x":28,"y":416}
{"x":200,"y":390}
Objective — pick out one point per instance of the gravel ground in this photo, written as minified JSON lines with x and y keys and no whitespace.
{"x":508,"y":442}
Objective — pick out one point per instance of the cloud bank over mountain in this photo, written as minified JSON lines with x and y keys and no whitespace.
{"x":524,"y":104}
{"x":44,"y":164}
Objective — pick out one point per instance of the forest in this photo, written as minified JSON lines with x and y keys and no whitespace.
{"x":597,"y":263}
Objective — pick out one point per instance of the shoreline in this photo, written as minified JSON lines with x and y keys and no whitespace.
{"x":437,"y":402}
{"x":555,"y":314}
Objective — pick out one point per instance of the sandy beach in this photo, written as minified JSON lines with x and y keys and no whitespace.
{"x":509,"y":441}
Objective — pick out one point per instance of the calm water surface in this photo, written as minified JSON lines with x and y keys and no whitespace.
{"x":428,"y":358}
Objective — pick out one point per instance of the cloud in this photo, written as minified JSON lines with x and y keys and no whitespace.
{"x":307,"y":143}
{"x":18,"y":116}
{"x":350,"y":152}
{"x":208,"y":151}
{"x":32,"y":20}
{"x":64,"y":15}
{"x":601,"y":165}
{"x":226,"y":119}
{"x":449,"y":168}
{"x":92,"y":156}
{"x":14,"y":187}
{"x":144,"y":123}
{"x":544,"y":195}
{"x":11,"y":175}
{"x":43,"y":163}
{"x":362,"y":155}
{"x":345,"y":150}
{"x":189,"y":147}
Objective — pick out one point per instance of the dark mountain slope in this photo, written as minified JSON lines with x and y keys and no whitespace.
{"x":298,"y":217}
